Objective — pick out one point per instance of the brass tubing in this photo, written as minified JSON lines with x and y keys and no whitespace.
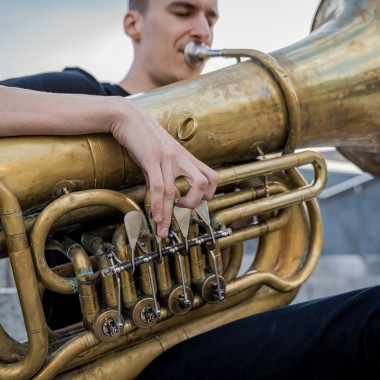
{"x":256,"y":230}
{"x":98,"y":247}
{"x":222,"y":313}
{"x":10,"y":350}
{"x":277,"y":164}
{"x":83,"y":269}
{"x":274,"y":202}
{"x":246,"y":210}
{"x":26,"y":282}
{"x":235,"y":260}
{"x":87,"y":292}
{"x":197,"y":264}
{"x":65,"y":354}
{"x":131,"y":335}
{"x":128,"y":363}
{"x":235,"y":197}
{"x":236,"y":173}
{"x":144,"y":278}
{"x":295,"y":280}
{"x":218,"y":258}
{"x":163,"y":276}
{"x":128,"y":287}
{"x":52,"y":213}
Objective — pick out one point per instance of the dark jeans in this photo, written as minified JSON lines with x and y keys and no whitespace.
{"x":330,"y":338}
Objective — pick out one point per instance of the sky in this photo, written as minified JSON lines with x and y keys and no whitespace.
{"x":49,"y":35}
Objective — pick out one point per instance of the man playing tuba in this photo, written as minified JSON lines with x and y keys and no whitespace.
{"x":323,"y":339}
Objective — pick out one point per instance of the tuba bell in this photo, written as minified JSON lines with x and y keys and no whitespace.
{"x":140,"y":295}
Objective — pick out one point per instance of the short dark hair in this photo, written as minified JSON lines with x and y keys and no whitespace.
{"x":138,"y":5}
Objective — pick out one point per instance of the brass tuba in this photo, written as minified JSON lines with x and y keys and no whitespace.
{"x":139,"y":295}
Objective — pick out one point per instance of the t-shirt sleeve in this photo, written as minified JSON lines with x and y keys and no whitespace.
{"x":70,"y":80}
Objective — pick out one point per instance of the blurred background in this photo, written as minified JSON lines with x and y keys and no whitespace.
{"x":45,"y":35}
{"x":41,"y":35}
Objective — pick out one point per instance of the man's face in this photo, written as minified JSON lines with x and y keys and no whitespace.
{"x":166,"y":27}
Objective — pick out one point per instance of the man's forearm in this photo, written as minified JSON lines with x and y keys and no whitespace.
{"x":26,"y":112}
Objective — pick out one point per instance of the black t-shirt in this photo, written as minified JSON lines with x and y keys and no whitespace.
{"x":72,"y":80}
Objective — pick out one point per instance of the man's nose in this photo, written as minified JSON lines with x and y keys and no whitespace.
{"x":201,"y":31}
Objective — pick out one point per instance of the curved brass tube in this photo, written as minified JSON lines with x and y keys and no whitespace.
{"x":67,"y":352}
{"x":295,"y":280}
{"x":87,"y":293}
{"x":52,"y":213}
{"x":10,"y":350}
{"x":26,"y":282}
{"x":234,"y":263}
{"x":83,"y":268}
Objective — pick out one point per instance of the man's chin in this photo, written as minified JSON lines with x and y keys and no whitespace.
{"x":190,"y":73}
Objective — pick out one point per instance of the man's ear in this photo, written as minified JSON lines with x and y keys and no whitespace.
{"x":132,"y":24}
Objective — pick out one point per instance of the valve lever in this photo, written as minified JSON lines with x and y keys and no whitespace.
{"x":218,"y":285}
{"x":202,"y":211}
{"x":112,"y":256}
{"x":157,"y":311}
{"x":158,"y":238}
{"x":186,"y":300}
{"x":182,"y":216}
{"x":119,"y":320}
{"x":133,"y":222}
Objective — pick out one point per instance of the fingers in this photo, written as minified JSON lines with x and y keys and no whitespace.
{"x":155,"y":184}
{"x":168,"y":198}
{"x":203,"y":182}
{"x":195,"y":194}
{"x":161,"y":179}
{"x":162,"y":195}
{"x":212,"y":181}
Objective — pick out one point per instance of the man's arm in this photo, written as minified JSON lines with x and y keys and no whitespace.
{"x":161,"y":158}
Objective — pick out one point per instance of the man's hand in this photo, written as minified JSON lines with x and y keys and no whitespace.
{"x":162,"y":160}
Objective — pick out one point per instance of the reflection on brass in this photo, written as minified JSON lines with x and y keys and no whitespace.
{"x":247,"y":121}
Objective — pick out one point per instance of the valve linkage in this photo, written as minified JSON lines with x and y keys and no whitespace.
{"x":148,"y":257}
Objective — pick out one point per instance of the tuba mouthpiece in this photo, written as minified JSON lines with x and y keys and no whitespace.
{"x":196,"y":54}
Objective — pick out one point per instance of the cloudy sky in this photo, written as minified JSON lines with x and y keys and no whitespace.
{"x":48,"y":35}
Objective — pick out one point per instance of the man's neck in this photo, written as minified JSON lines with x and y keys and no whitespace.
{"x":136,"y":81}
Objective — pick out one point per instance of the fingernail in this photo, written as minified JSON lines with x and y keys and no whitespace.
{"x":158,"y":218}
{"x":164,"y":232}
